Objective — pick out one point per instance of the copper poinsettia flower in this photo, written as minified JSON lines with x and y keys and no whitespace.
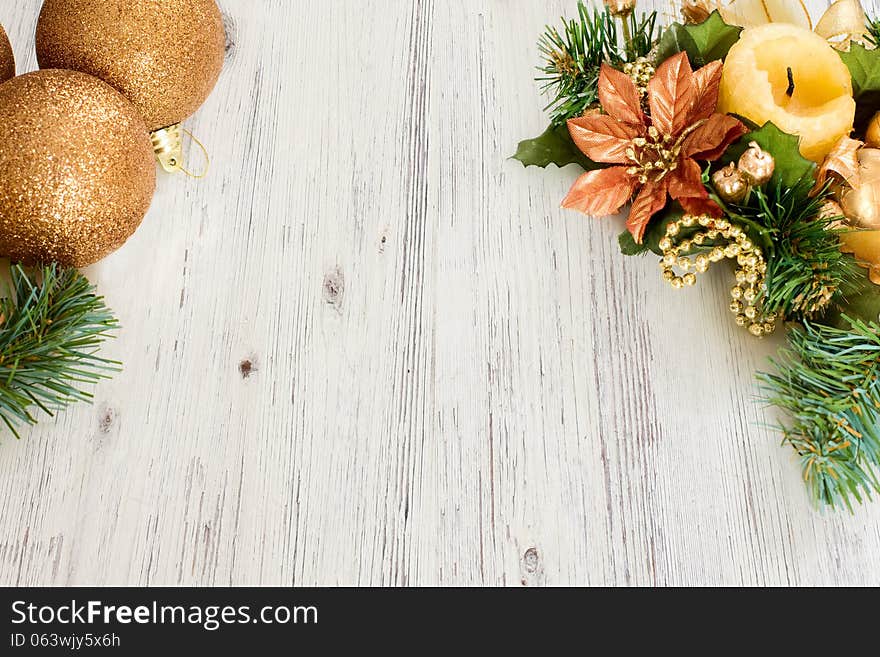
{"x":657,"y":154}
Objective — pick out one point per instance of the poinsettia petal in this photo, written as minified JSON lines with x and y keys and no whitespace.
{"x":699,"y":205}
{"x":707,"y":85}
{"x":602,"y":138}
{"x":671,"y":95}
{"x":711,"y":139}
{"x":687,"y":181}
{"x":649,"y":202}
{"x":601,"y":193}
{"x":620,"y":96}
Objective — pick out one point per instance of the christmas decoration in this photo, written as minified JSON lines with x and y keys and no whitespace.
{"x":653,"y":116}
{"x":793,"y":78}
{"x":757,"y":165}
{"x":165,"y":57}
{"x":76,"y":168}
{"x":7,"y":58}
{"x":53,"y":325}
{"x":731,"y":184}
{"x":747,"y":293}
{"x":656,"y":160}
{"x":77,"y":174}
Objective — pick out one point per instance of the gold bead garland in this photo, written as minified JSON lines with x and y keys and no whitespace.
{"x":747,"y":294}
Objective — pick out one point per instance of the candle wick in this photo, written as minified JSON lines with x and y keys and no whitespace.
{"x":790,"y":91}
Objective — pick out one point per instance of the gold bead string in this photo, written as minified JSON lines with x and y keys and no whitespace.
{"x":747,"y":294}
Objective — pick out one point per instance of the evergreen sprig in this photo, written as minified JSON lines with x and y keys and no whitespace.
{"x":873,"y":34}
{"x":828,"y":381}
{"x":806,"y":270}
{"x":574,"y":56}
{"x":52,"y":327}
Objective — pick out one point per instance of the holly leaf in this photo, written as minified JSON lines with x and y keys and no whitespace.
{"x":864,"y":67}
{"x":554,"y":146}
{"x":629,"y":246}
{"x":705,"y":42}
{"x":657,"y":228}
{"x":791,"y":166}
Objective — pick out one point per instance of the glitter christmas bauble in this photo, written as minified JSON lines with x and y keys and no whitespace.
{"x":163,"y":55}
{"x":76,"y":168}
{"x":7,"y":59}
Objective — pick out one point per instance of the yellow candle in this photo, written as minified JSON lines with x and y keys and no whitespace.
{"x":794,"y":78}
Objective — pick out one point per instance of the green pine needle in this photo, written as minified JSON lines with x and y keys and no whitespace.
{"x":874,"y":32}
{"x":53,"y":325}
{"x":806,"y":271}
{"x":828,"y":381}
{"x":574,"y":56}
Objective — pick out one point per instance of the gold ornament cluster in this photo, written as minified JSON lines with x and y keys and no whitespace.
{"x":77,"y":165}
{"x":754,"y":169}
{"x":723,"y":240}
{"x":640,"y":72}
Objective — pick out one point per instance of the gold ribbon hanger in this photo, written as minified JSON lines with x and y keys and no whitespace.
{"x":168,"y":147}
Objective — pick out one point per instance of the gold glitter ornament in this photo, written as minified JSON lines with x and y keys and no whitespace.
{"x":7,"y":59}
{"x":165,"y":56}
{"x":757,"y":165}
{"x":76,"y":168}
{"x":731,"y":184}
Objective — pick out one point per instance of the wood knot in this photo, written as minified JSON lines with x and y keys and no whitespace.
{"x":106,"y":419}
{"x":531,"y":561}
{"x":246,"y":368}
{"x":334,"y":289}
{"x":231,"y":34}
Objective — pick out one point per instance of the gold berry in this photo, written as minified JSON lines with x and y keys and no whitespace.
{"x":757,"y":165}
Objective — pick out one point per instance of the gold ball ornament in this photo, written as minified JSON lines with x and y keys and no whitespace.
{"x":76,"y":169}
{"x":165,"y":56}
{"x":7,"y":59}
{"x":861,"y":205}
{"x":731,"y":185}
{"x":757,"y":165}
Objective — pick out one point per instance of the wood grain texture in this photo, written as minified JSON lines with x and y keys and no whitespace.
{"x":370,"y":349}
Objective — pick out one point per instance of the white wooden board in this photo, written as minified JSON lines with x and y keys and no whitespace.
{"x":451,"y":380}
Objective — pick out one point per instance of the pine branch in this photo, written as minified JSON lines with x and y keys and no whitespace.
{"x":873,"y":35}
{"x":806,"y":271}
{"x":52,"y":328}
{"x":828,"y":381}
{"x":574,"y":56}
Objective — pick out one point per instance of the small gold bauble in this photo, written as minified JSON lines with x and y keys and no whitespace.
{"x":730,"y":184}
{"x":872,"y":136}
{"x":757,"y":165}
{"x":76,"y":169}
{"x":7,"y":58}
{"x":165,"y":56}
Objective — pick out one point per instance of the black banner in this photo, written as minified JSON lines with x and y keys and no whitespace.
{"x":132,"y":621}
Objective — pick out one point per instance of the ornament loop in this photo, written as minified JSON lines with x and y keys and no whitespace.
{"x":168,"y":147}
